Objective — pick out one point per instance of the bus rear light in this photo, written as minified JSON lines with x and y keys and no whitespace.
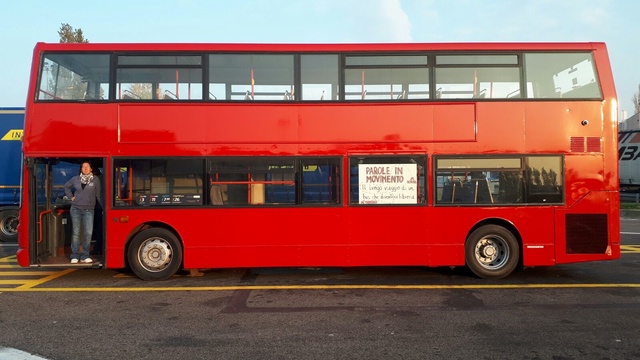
{"x":124,"y":219}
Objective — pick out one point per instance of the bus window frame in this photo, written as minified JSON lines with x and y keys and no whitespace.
{"x":167,"y":95}
{"x":42,"y":70}
{"x":131,"y":199}
{"x":523,"y":95}
{"x":298,"y":162}
{"x":526,"y":191}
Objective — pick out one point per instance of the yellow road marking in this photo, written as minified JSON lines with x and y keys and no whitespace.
{"x":322,"y":287}
{"x":30,"y":284}
{"x":27,"y":273}
{"x":627,"y":249}
{"x":14,"y":282}
{"x":8,"y":259}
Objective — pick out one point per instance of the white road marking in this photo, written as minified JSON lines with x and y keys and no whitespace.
{"x":15,"y":354}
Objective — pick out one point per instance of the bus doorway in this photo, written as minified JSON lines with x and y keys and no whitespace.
{"x":51,"y":226}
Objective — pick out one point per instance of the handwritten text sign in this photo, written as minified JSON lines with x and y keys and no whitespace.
{"x":388,"y":183}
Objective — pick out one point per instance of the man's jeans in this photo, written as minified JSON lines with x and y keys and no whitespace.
{"x":78,"y":218}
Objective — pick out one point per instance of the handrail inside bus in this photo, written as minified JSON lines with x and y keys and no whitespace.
{"x":252,"y":182}
{"x":40,"y":224}
{"x":60,"y":211}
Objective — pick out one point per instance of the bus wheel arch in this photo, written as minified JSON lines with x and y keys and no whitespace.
{"x":8,"y":224}
{"x":493,"y":249}
{"x":154,"y":252}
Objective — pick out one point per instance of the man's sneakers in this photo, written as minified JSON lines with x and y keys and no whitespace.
{"x":85,"y":261}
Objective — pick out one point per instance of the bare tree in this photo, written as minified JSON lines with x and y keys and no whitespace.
{"x":68,"y":84}
{"x":142,"y":90}
{"x":636,"y":101}
{"x":69,"y":35}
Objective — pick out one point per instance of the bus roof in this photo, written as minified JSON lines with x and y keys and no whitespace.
{"x":466,"y":46}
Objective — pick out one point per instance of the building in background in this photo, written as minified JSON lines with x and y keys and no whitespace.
{"x":631,"y":123}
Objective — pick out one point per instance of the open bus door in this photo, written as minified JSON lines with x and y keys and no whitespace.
{"x":50,"y":230}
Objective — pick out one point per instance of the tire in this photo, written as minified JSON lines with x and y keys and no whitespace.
{"x":492,"y":252}
{"x":155,"y":254}
{"x":9,"y":225}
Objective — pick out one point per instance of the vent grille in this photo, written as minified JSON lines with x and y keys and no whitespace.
{"x":587,"y":233}
{"x":586,"y":144}
{"x":577,"y":144}
{"x":593,"y":144}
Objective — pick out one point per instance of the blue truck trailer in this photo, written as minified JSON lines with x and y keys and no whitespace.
{"x":11,"y":126}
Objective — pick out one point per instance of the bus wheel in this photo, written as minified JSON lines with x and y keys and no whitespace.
{"x":155,"y":254}
{"x":492,"y":251}
{"x":9,"y":225}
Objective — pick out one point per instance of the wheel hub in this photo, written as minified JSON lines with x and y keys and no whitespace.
{"x":9,"y":226}
{"x":155,"y":254}
{"x":491,"y":252}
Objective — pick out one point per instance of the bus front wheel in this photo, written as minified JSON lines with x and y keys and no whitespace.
{"x":492,"y":252}
{"x":155,"y":254}
{"x":9,"y":225}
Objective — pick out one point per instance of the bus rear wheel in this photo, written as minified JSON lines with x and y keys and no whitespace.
{"x":155,"y":254}
{"x":9,"y":225}
{"x":492,"y":252}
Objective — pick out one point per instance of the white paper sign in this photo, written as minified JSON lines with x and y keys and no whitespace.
{"x":388,"y":183}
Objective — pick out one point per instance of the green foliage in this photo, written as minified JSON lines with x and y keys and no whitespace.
{"x":629,"y":206}
{"x":69,"y":35}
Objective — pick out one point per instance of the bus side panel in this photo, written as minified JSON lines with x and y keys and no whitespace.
{"x":388,"y":235}
{"x":55,"y":129}
{"x":310,"y":237}
{"x":501,"y":128}
{"x":566,"y":120}
{"x":300,"y":124}
{"x":307,"y":237}
{"x":447,"y":237}
{"x":534,"y":226}
{"x":243,"y":237}
{"x":584,"y":230}
{"x":267,"y":237}
{"x":366,"y":123}
{"x":589,"y":230}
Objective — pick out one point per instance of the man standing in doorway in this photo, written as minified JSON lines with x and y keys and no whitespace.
{"x":84,"y":191}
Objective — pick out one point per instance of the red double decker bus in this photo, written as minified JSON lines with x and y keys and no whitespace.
{"x":489,"y":155}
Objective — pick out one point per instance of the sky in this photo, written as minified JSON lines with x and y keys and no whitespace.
{"x":615,"y":22}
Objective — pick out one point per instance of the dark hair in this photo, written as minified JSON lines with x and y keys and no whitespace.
{"x":82,"y":163}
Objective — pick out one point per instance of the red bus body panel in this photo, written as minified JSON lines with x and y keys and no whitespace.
{"x":340,"y":235}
